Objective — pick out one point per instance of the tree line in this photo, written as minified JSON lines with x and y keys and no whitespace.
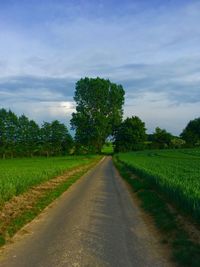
{"x":98,"y":117}
{"x":20,"y":136}
{"x":131,"y":135}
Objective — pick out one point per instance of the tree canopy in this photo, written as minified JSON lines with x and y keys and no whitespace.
{"x":98,"y":111}
{"x":191,"y":133}
{"x":161,"y":138}
{"x":98,"y":117}
{"x":130,"y":135}
{"x":20,"y":136}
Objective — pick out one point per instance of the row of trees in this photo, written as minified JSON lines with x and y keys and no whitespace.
{"x":20,"y":136}
{"x":131,"y":135}
{"x":99,"y":115}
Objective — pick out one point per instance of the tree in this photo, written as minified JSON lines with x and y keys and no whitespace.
{"x":8,"y":129}
{"x":177,"y":142}
{"x":130,"y":135}
{"x":20,"y":136}
{"x":61,"y":139}
{"x":3,"y":132}
{"x":46,"y":141}
{"x":161,"y":138}
{"x":98,"y":112}
{"x":34,"y":138}
{"x":55,"y":138}
{"x":191,"y":133}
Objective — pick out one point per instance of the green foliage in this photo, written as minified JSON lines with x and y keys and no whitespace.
{"x":186,"y":252}
{"x":18,"y":175}
{"x":55,"y":138}
{"x":107,"y":149}
{"x":2,"y":240}
{"x":177,"y":142}
{"x":130,"y":135}
{"x":28,"y":136}
{"x":174,"y":173}
{"x":8,"y":132}
{"x":98,"y":112}
{"x":161,"y":138}
{"x":20,"y":136}
{"x":191,"y":134}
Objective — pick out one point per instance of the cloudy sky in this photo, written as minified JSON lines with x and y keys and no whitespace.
{"x":151,"y":47}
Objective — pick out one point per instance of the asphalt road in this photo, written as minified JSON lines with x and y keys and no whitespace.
{"x":94,"y":223}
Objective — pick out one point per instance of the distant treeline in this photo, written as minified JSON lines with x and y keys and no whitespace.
{"x":20,"y":136}
{"x":98,"y":117}
{"x":131,"y":135}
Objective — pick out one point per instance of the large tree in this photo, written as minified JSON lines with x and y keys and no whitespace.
{"x":191,"y":133}
{"x":98,"y":111}
{"x":130,"y":135}
{"x":161,"y":138}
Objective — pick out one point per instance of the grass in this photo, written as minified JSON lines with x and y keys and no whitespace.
{"x":107,"y":149}
{"x":175,"y":173}
{"x":18,"y":175}
{"x":184,"y":251}
{"x":43,"y":202}
{"x":28,"y":212}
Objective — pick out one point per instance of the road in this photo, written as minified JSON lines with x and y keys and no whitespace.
{"x":94,"y":223}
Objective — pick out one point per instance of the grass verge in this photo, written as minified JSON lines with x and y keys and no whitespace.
{"x":50,"y":195}
{"x":185,"y":252}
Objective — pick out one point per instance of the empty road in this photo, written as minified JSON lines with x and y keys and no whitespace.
{"x":94,"y":223}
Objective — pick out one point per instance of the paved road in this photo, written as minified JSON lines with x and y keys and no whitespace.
{"x":94,"y":223}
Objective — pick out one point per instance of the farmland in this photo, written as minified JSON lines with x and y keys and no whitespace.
{"x":18,"y":175}
{"x":107,"y":149}
{"x":176,"y":173}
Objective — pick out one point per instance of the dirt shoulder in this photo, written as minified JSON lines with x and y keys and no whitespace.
{"x":19,"y":205}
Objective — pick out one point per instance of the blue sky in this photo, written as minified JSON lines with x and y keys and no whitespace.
{"x":150,"y":47}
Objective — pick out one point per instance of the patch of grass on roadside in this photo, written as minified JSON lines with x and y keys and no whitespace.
{"x":184,"y":251}
{"x":2,"y":240}
{"x":174,"y":173}
{"x":107,"y":149}
{"x":152,"y":203}
{"x":42,"y":203}
{"x":18,"y":175}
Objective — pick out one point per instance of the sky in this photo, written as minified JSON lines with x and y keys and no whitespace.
{"x":150,"y":47}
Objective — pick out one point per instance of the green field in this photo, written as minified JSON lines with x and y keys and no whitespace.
{"x":107,"y":149}
{"x":18,"y":175}
{"x":176,"y":173}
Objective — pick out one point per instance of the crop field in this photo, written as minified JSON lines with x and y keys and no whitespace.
{"x":18,"y":175}
{"x":176,"y":173}
{"x":107,"y":149}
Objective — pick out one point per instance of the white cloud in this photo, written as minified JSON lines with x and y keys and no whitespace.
{"x":156,"y":109}
{"x":152,"y":51}
{"x":61,"y":109}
